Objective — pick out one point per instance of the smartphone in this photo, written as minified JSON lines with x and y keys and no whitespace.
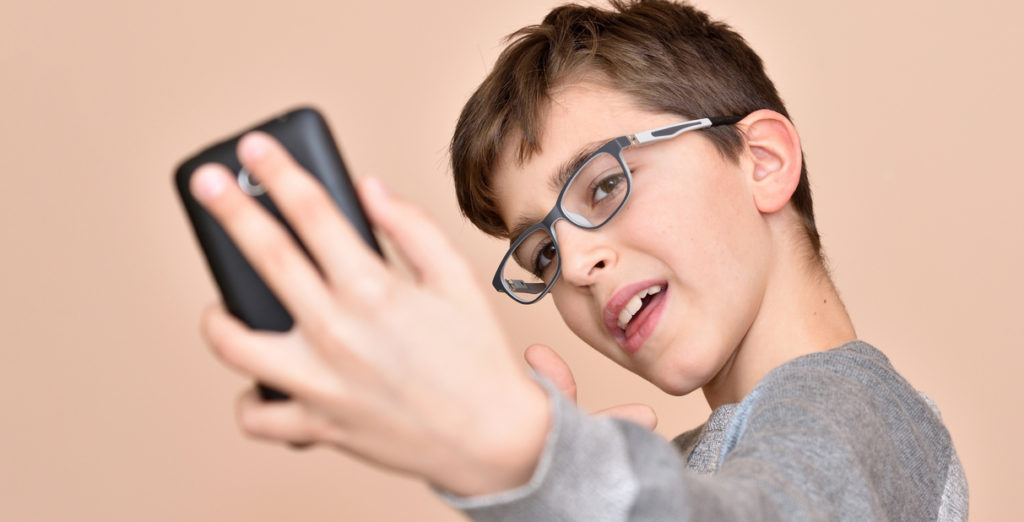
{"x":304,"y":133}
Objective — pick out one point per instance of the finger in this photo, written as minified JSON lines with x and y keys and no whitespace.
{"x":641,"y":414}
{"x":418,"y":240}
{"x":266,"y":245}
{"x":277,"y":359}
{"x":546,"y":362}
{"x":289,"y":421}
{"x":309,"y":209}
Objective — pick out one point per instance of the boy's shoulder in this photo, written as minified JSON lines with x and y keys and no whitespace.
{"x":853,"y":387}
{"x":847,"y":410}
{"x":814,"y":381}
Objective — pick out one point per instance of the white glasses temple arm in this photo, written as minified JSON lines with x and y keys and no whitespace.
{"x":671,"y":131}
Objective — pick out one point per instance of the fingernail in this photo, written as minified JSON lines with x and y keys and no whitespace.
{"x":208,"y":182}
{"x":253,"y":147}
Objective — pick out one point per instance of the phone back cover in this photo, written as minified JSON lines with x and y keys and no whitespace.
{"x":305,"y":134}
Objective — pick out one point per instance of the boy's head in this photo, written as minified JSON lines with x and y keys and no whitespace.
{"x":668,"y":57}
{"x":696,"y":225}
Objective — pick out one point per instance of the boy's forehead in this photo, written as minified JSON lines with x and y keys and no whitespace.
{"x":583,"y":108}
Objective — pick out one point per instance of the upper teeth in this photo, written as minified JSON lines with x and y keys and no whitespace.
{"x":634,"y":305}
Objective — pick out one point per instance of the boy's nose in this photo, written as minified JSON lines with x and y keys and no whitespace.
{"x":585,"y":254}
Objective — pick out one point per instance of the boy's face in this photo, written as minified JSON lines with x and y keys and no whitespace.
{"x":690,"y":226}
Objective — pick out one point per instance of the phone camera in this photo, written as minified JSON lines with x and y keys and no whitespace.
{"x":249,"y":184}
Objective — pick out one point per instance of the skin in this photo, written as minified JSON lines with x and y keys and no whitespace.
{"x":742,"y":296}
{"x":416,"y":375}
{"x":412,"y":375}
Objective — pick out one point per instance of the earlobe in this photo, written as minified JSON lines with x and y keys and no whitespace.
{"x":774,"y":148}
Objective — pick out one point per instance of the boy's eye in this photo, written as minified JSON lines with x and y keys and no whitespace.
{"x":607,"y":185}
{"x":544,"y":260}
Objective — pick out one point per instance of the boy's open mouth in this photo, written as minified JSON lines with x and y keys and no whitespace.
{"x":629,"y":311}
{"x":636,"y":305}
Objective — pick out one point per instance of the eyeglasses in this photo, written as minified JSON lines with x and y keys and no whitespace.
{"x":592,"y":195}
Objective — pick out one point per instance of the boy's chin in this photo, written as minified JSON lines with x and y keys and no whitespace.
{"x":682,"y":371}
{"x":674,"y":384}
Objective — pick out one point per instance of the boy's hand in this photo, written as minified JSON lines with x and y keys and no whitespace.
{"x":546,"y":362}
{"x":414,"y":375}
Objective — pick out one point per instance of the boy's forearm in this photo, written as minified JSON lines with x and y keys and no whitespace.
{"x":584,"y":472}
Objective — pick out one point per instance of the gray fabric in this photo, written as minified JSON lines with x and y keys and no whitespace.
{"x":703,"y":444}
{"x":954,"y":495}
{"x":832,"y":435}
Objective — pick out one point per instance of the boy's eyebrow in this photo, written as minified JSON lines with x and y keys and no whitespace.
{"x":556,"y":182}
{"x":567,"y":169}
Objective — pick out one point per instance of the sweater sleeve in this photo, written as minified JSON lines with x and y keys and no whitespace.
{"x":585,"y":472}
{"x":813,"y":442}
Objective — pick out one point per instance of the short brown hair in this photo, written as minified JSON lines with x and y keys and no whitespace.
{"x":669,"y":57}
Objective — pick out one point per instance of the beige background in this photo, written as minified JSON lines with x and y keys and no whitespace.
{"x":113,"y":410}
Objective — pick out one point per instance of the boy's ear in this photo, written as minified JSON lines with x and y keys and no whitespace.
{"x":774,"y":147}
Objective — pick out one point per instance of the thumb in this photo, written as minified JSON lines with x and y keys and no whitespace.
{"x":641,"y":414}
{"x":546,"y":362}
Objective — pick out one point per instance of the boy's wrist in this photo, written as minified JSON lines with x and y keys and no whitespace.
{"x":503,"y":454}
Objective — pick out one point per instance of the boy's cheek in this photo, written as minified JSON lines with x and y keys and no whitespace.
{"x":574,"y":315}
{"x":585,"y":321}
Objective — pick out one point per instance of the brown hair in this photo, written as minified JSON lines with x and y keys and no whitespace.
{"x":669,"y":57}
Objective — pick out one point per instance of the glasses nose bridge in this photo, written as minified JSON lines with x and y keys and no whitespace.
{"x":582,"y":257}
{"x":553,"y":217}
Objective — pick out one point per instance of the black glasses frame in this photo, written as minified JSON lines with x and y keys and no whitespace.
{"x":614,"y":148}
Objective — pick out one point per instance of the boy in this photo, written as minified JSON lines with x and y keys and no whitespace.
{"x":647,"y":176}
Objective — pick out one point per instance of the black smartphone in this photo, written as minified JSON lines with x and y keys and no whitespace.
{"x":305,"y":134}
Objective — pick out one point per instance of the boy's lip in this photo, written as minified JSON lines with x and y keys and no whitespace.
{"x":614,"y":306}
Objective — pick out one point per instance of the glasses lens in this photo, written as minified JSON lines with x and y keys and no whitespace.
{"x":596,"y":192}
{"x":531,"y":267}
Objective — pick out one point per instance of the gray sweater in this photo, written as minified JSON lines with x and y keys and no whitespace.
{"x":836,"y":435}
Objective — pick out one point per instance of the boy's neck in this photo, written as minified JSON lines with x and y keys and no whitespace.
{"x":801,"y":313}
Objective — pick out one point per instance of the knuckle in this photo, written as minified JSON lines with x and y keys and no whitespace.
{"x":425,"y":231}
{"x":207,"y":326}
{"x":410,"y":212}
{"x":250,"y":421}
{"x":369,"y":292}
{"x":216,"y":335}
{"x":322,"y":330}
{"x":458,"y":271}
{"x":309,"y":203}
{"x":276,"y":253}
{"x":320,"y":428}
{"x":230,"y":210}
{"x":329,"y":336}
{"x":332,"y":394}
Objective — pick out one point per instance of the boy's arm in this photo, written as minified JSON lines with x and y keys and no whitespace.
{"x":585,"y":472}
{"x":813,"y":443}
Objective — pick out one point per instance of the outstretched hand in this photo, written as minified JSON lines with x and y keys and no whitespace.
{"x":548,"y":363}
{"x":414,"y":375}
